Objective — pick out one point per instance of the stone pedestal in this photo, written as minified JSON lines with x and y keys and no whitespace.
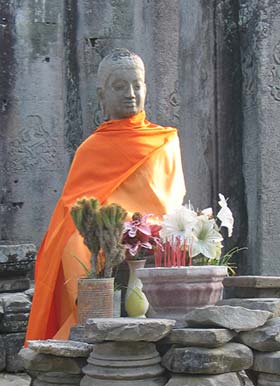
{"x":124,"y":363}
{"x":55,"y":363}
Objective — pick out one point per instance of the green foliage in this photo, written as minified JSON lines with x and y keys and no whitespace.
{"x":101,"y":228}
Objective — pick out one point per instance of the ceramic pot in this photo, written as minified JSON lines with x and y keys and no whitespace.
{"x":172,"y":292}
{"x":136,"y":303}
{"x":95,"y":299}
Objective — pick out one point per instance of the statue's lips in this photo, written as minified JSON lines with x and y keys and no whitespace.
{"x":129,"y":104}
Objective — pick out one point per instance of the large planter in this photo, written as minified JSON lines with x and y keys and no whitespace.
{"x":95,"y":299}
{"x":172,"y":292}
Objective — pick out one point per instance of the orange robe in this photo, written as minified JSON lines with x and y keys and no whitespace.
{"x":130,"y":161}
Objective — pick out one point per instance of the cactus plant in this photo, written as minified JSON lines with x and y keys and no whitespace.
{"x":101,"y":228}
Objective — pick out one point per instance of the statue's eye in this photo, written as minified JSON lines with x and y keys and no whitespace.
{"x":118,"y":86}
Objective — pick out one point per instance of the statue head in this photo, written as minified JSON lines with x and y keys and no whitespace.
{"x":121,"y":84}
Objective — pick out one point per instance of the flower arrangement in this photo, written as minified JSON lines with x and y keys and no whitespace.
{"x":194,"y":237}
{"x":140,"y":237}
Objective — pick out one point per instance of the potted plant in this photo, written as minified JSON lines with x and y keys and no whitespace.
{"x":101,"y":229}
{"x":188,"y":271}
{"x":139,"y":238}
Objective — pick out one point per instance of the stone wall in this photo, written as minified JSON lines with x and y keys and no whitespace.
{"x":212,"y":71}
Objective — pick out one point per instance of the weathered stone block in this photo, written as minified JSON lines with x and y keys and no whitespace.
{"x":252,"y":286}
{"x":212,"y":337}
{"x":126,"y":329}
{"x":14,"y":322}
{"x":63,"y":348}
{"x":58,"y":379}
{"x":35,"y":363}
{"x":264,"y":304}
{"x":2,"y":354}
{"x":18,"y":251}
{"x":267,"y":362}
{"x":233,"y":318}
{"x":268,"y":380}
{"x":265,"y":338}
{"x":229,"y":379}
{"x":15,"y":303}
{"x":14,"y":284}
{"x":200,"y":360}
{"x":13,"y":344}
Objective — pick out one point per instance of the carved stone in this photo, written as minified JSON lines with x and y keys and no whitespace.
{"x":124,"y":363}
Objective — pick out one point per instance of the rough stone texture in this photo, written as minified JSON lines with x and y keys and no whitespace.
{"x":14,"y":284}
{"x":127,"y":329}
{"x":252,"y":287}
{"x":15,"y":303}
{"x":213,"y":337}
{"x":265,"y":338}
{"x":124,"y":363}
{"x":264,"y":304}
{"x":14,"y":322}
{"x":36,"y":363}
{"x":29,"y":292}
{"x":233,"y":318}
{"x":199,"y":360}
{"x":32,"y":118}
{"x":259,"y":33}
{"x":267,"y":362}
{"x":13,"y":344}
{"x":268,"y":380}
{"x":2,"y":354}
{"x":63,"y":348}
{"x":229,"y":379}
{"x":14,"y":380}
{"x":57,"y":378}
{"x":17,"y":252}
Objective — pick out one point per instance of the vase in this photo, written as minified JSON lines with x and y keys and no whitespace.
{"x":95,"y":299}
{"x":136,"y":303}
{"x":174,"y":291}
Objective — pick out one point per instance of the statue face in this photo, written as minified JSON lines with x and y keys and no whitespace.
{"x":124,"y":93}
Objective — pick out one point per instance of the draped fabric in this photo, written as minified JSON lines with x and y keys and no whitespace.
{"x":130,"y":161}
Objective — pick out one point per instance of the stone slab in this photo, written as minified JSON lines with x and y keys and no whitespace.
{"x":200,"y":360}
{"x":14,"y":322}
{"x":268,"y":380}
{"x":127,"y":329}
{"x":14,"y":379}
{"x":58,"y":378}
{"x":228,"y":379}
{"x":18,"y":251}
{"x":264,"y":304}
{"x":36,"y":362}
{"x":201,"y":337}
{"x":252,"y":281}
{"x":15,"y":302}
{"x":13,"y":344}
{"x":62,"y":348}
{"x":2,"y":354}
{"x":265,"y":338}
{"x":267,"y":362}
{"x":233,"y":318}
{"x":14,"y":284}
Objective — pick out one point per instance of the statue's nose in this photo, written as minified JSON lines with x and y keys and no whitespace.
{"x":130,"y":93}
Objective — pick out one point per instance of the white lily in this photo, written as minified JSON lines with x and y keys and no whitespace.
{"x":225,"y":215}
{"x":178,"y":224}
{"x":205,"y":238}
